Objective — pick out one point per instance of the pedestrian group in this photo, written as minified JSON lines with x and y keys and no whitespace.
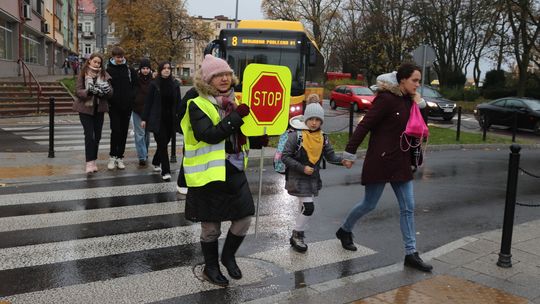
{"x":215,"y":151}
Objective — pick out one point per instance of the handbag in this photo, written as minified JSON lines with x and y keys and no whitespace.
{"x":415,"y":133}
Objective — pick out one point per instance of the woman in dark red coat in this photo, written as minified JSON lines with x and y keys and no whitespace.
{"x":385,"y":161}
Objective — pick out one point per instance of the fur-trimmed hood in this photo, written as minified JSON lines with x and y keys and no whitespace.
{"x":205,"y":89}
{"x":388,"y":83}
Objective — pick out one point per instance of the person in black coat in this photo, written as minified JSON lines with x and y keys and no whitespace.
{"x":181,"y":185}
{"x":125,"y":83}
{"x":213,"y":198}
{"x":159,"y":117}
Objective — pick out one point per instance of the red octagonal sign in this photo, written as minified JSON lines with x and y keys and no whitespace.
{"x":266,"y":96}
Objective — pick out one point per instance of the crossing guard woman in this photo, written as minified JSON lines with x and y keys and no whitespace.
{"x":215,"y":158}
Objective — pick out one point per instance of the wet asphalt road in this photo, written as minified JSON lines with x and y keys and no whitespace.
{"x":115,"y":237}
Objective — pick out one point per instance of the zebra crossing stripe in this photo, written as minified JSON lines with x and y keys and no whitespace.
{"x":319,"y":253}
{"x":87,"y":193}
{"x":88,"y":216}
{"x":180,"y":281}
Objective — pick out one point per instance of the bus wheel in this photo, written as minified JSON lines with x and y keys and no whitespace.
{"x":333,"y":104}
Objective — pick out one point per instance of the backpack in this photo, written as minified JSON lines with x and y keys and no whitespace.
{"x":279,"y":166}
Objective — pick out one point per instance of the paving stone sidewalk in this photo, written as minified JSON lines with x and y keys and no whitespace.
{"x":465,"y":271}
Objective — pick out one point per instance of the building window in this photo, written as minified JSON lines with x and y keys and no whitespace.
{"x":229,"y":25}
{"x":185,"y":72}
{"x":111,"y":28}
{"x":87,"y":49}
{"x":218,"y":25}
{"x":188,"y":56}
{"x":30,"y":48}
{"x":6,"y":41}
{"x":87,"y":27}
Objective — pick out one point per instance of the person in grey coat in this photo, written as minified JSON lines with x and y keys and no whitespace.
{"x":302,"y":155}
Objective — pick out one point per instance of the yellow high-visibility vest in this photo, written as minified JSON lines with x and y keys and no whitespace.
{"x":204,"y":162}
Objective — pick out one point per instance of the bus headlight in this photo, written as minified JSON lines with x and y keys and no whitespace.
{"x":296,"y":108}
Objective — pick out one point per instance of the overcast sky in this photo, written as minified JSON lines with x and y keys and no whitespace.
{"x":247,"y":9}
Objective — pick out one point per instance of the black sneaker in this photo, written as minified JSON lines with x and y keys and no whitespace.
{"x":142,"y":162}
{"x":414,"y":261}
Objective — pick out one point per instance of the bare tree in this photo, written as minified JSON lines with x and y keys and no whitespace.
{"x":446,"y":28}
{"x":524,"y":19}
{"x":316,"y":15}
{"x":482,"y":19}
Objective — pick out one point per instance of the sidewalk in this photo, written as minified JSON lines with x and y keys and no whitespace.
{"x":465,"y":271}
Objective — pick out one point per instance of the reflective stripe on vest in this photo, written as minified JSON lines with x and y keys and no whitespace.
{"x":203,"y":163}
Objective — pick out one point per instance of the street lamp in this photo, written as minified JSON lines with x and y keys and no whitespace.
{"x":236,"y":15}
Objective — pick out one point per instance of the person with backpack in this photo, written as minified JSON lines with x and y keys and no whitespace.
{"x":125,"y":84}
{"x":385,"y":161}
{"x":302,"y":155}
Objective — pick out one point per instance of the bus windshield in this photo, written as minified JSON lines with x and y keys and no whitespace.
{"x":239,"y":58}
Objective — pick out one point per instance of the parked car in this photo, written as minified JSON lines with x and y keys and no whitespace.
{"x":343,"y":95}
{"x":437,"y":105}
{"x":501,"y":112}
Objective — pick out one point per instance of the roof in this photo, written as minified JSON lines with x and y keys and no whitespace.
{"x":86,"y":6}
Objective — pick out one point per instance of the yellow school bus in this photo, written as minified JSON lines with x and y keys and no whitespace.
{"x":274,"y":42}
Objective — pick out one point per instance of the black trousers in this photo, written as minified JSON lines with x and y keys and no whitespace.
{"x":119,"y":130}
{"x":92,"y":125}
{"x":162,"y":155}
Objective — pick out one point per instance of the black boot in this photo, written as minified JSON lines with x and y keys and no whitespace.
{"x":211,"y":271}
{"x":297,"y":241}
{"x":346,"y":239}
{"x":414,"y":261}
{"x":232,"y":242}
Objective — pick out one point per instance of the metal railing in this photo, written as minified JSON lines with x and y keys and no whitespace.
{"x":28,"y":81}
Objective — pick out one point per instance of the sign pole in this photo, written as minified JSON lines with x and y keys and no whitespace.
{"x":261,"y":163}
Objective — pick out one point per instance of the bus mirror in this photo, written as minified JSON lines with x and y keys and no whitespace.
{"x":312,"y":55}
{"x":213,"y":48}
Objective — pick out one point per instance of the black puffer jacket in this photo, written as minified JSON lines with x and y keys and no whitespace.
{"x":218,"y":201}
{"x":152,"y":113}
{"x":125,"y":82}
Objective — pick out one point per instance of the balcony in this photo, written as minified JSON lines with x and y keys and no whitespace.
{"x":88,"y":35}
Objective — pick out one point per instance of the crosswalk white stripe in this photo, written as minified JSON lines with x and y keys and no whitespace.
{"x":89,"y":216}
{"x":177,"y":282}
{"x":87,"y":193}
{"x":35,"y":128}
{"x":141,"y":288}
{"x":329,"y":250}
{"x":57,"y":252}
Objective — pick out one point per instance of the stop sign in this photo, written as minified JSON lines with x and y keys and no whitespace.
{"x":267,"y":94}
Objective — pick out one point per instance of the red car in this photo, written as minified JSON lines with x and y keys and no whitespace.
{"x":360,"y":96}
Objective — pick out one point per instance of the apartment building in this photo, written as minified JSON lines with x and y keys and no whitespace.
{"x":195,"y":54}
{"x":42,"y":33}
{"x":86,"y":28}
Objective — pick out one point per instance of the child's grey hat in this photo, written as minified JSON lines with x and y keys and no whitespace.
{"x":314,"y":110}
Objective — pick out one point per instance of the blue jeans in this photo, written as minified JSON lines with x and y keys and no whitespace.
{"x":405,"y":196}
{"x":142,"y":137}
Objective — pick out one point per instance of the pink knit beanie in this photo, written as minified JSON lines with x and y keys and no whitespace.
{"x":212,"y":66}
